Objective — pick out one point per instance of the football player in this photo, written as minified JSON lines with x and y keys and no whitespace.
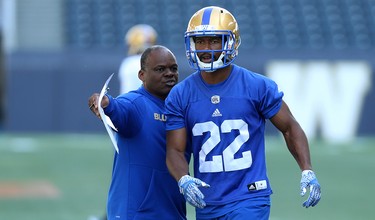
{"x":219,"y":113}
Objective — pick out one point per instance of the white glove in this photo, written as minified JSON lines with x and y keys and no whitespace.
{"x":189,"y":188}
{"x":309,"y":180}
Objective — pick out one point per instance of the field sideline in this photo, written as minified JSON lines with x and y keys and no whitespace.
{"x":66,"y":177}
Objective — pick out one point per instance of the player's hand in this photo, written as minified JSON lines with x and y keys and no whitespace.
{"x":189,"y":188}
{"x":309,"y":180}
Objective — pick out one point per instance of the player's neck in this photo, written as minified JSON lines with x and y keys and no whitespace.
{"x":217,"y":76}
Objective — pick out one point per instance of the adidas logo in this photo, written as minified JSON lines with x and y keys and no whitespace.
{"x":216,"y":113}
{"x":251,"y":187}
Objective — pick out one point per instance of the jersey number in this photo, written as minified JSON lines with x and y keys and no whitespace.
{"x":226,"y":161}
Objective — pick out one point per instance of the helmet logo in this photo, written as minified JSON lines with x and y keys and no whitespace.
{"x":204,"y":27}
{"x":215,"y":99}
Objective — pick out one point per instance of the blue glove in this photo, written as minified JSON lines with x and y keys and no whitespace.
{"x":309,"y":180}
{"x":189,"y":188}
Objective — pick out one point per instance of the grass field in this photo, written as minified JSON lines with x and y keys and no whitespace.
{"x":66,"y":177}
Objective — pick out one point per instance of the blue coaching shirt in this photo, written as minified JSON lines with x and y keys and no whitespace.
{"x":225,"y":123}
{"x":141,"y":186}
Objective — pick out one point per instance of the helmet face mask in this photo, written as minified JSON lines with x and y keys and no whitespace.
{"x":212,"y":22}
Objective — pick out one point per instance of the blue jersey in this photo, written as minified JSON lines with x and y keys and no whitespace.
{"x":225,"y":125}
{"x":141,"y":186}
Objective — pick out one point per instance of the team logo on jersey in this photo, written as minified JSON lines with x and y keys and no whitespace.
{"x":215,"y":99}
{"x":160,"y":117}
{"x":216,"y":113}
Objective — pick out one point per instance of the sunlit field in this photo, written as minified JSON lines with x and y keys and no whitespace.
{"x":66,"y":177}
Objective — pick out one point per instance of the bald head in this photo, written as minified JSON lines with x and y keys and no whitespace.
{"x":147,"y":52}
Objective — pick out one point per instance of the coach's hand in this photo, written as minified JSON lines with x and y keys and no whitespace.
{"x":309,"y":180}
{"x":189,"y":188}
{"x":93,"y":103}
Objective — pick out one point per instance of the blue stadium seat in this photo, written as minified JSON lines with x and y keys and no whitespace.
{"x":297,"y":24}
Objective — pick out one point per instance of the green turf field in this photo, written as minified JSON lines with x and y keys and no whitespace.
{"x":73,"y":174}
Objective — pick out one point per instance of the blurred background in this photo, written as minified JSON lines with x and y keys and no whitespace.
{"x":56,"y":53}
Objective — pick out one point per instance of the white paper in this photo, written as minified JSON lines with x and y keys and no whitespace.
{"x":111,"y":130}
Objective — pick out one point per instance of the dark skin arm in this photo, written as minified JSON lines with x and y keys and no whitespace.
{"x":294,"y":136}
{"x":93,"y":103}
{"x":176,"y":162}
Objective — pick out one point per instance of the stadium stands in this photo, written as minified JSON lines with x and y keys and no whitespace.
{"x":291,"y":24}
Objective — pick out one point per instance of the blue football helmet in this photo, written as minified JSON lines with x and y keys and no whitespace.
{"x":212,"y":21}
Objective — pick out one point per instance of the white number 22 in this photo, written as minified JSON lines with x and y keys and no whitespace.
{"x":226,"y":161}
